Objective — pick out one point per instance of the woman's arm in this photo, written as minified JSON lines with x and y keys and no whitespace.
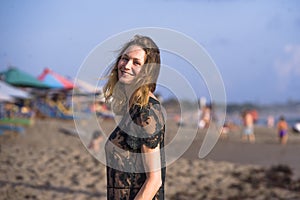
{"x":153,"y":167}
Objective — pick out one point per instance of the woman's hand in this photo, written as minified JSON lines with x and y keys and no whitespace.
{"x":152,"y":164}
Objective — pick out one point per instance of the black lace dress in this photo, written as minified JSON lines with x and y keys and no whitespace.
{"x":125,"y":169}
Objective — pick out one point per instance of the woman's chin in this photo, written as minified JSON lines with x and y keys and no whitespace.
{"x":125,"y":81}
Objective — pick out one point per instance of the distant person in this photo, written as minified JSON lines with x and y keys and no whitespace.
{"x":248,"y":127}
{"x":205,"y":117}
{"x":225,"y":131}
{"x":270,"y":121}
{"x":179,"y":121}
{"x":97,"y":138}
{"x":254,"y":114}
{"x":282,"y":128}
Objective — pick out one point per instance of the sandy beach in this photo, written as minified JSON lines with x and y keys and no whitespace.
{"x":46,"y":163}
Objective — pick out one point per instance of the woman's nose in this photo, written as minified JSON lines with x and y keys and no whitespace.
{"x":128,"y":65}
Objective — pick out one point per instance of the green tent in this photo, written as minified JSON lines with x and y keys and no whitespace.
{"x":19,"y":78}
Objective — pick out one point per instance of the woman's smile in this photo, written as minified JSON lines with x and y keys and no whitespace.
{"x":124,"y":73}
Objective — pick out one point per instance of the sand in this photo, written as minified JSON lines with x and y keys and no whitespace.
{"x":46,"y":163}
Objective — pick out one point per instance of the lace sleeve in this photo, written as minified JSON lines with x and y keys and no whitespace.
{"x":151,"y":124}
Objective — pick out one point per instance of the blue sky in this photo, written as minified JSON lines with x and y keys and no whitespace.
{"x":255,"y":44}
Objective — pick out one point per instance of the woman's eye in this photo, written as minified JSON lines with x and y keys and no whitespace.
{"x":137,"y":63}
{"x":124,"y":59}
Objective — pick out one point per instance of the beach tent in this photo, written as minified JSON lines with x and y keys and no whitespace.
{"x":54,"y":80}
{"x":85,"y":87}
{"x":17,"y":77}
{"x":13,"y":92}
{"x":6,"y":98}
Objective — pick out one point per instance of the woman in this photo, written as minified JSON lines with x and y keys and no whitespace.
{"x":134,"y":151}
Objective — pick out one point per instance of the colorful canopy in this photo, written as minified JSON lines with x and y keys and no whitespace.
{"x":55,"y":80}
{"x":17,"y":77}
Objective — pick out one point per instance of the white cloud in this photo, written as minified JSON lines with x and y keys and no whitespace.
{"x":288,"y":66}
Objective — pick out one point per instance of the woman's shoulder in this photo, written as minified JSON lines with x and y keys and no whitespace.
{"x":153,"y":99}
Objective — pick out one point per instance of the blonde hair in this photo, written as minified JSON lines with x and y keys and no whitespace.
{"x":145,"y":81}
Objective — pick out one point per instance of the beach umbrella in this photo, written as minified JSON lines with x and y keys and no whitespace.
{"x":17,"y":77}
{"x":55,"y":80}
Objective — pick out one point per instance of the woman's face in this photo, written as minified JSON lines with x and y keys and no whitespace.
{"x":130,"y":64}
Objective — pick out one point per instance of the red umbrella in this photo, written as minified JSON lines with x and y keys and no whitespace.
{"x":55,"y":80}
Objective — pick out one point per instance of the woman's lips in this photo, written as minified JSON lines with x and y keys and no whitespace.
{"x":124,"y":72}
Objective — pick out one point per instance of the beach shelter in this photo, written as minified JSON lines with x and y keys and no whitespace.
{"x":10,"y":91}
{"x":55,"y":80}
{"x":6,"y":98}
{"x":17,"y":77}
{"x":85,"y":87}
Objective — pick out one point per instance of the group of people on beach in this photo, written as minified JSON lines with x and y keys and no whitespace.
{"x":249,"y":119}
